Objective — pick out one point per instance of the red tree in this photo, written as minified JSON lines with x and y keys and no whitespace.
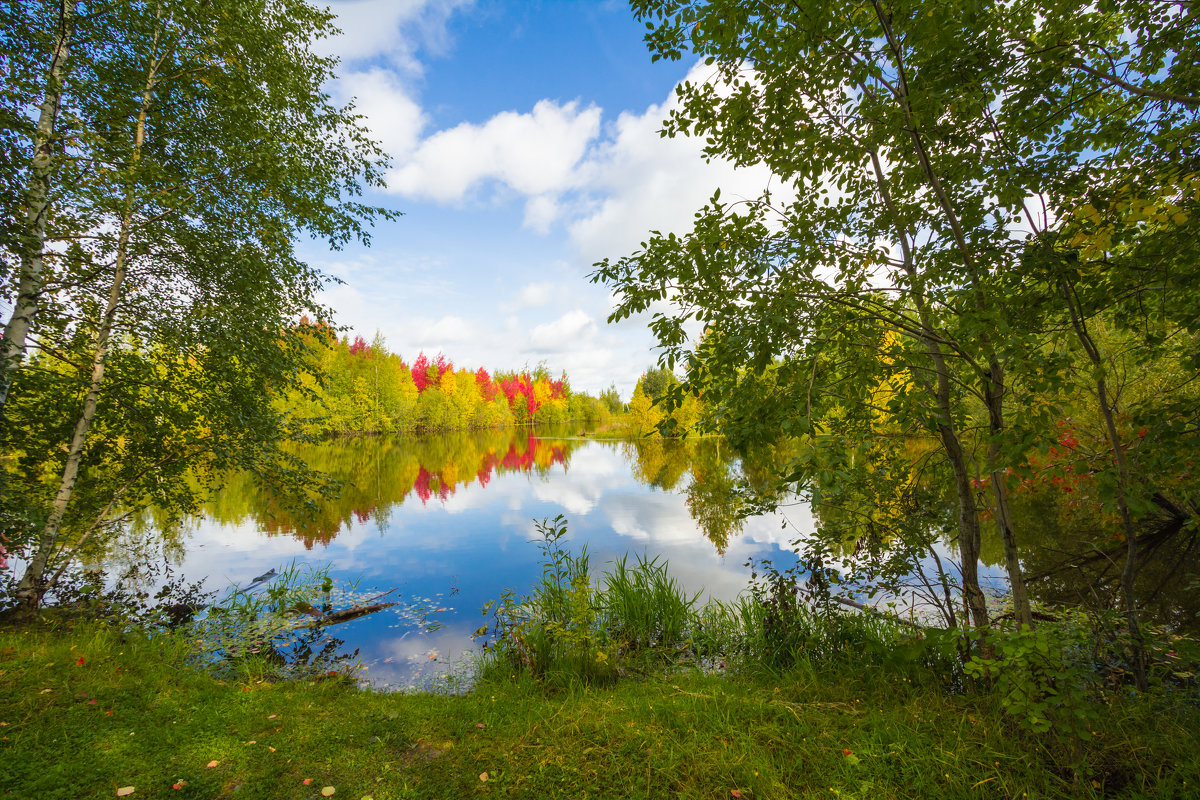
{"x":420,"y":372}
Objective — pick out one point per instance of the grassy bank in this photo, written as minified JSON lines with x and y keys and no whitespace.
{"x":132,"y":714}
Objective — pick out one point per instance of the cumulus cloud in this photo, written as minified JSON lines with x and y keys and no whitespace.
{"x":645,"y":182}
{"x":608,"y":186}
{"x":394,"y":118}
{"x":566,"y":332}
{"x":392,"y":29}
{"x":534,"y":153}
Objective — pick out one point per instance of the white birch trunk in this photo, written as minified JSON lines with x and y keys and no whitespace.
{"x":37,"y":207}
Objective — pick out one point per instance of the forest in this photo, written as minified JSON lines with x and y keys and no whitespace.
{"x":353,"y":387}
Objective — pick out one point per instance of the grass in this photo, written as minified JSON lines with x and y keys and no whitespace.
{"x":155,"y":722}
{"x":636,"y":619}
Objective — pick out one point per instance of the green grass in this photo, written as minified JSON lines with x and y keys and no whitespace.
{"x":574,"y":627}
{"x":765,"y":734}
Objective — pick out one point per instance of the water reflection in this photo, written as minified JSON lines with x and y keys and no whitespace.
{"x":447,"y":519}
{"x":378,"y":473}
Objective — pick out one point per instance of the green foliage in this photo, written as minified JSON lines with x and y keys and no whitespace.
{"x":569,"y":629}
{"x":1043,"y":677}
{"x":644,"y":417}
{"x":196,"y":145}
{"x":656,"y":381}
{"x":612,"y":400}
{"x":352,"y":388}
{"x":977,"y":223}
{"x":645,"y":608}
{"x":1055,"y":678}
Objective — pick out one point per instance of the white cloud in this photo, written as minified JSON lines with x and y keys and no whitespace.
{"x":564,"y":333}
{"x":533,"y":154}
{"x":393,"y":29}
{"x":541,"y":211}
{"x":645,"y":182}
{"x":393,"y":116}
{"x":540,"y":294}
{"x":608,"y":187}
{"x":535,"y":294}
{"x":447,"y":330}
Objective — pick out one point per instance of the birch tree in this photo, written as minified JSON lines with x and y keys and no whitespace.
{"x":214,"y":148}
{"x":31,"y":165}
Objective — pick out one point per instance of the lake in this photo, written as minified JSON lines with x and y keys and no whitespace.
{"x":447,"y":520}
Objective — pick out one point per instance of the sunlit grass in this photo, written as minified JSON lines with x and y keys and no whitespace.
{"x":690,"y":734}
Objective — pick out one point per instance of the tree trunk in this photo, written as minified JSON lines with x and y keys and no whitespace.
{"x":968,"y":513}
{"x":1129,"y":573}
{"x":37,"y":207}
{"x":33,"y":584}
{"x":994,"y":398}
{"x":992,"y":377}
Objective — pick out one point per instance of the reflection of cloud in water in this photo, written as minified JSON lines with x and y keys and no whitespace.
{"x":594,"y":472}
{"x":479,"y":540}
{"x":415,"y":659}
{"x":661,"y":524}
{"x":571,"y":498}
{"x":237,"y":553}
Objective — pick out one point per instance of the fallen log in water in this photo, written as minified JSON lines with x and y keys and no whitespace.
{"x":345,"y":615}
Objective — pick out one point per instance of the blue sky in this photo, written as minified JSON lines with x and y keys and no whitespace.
{"x":525,"y":147}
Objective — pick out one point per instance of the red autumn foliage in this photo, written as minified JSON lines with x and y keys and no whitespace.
{"x":487,"y":389}
{"x":427,"y":373}
{"x":420,"y":372}
{"x":421,"y":485}
{"x":519,"y":389}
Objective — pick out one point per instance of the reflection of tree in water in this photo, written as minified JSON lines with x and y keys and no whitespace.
{"x":1071,"y":549}
{"x":713,"y":498}
{"x":886,"y":508}
{"x":379,"y":473}
{"x":658,"y":462}
{"x":1076,"y":558}
{"x":716,"y":494}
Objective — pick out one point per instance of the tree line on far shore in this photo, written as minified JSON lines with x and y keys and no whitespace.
{"x":365,"y":388}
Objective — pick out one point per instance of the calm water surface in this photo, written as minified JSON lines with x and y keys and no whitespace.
{"x":448,"y":521}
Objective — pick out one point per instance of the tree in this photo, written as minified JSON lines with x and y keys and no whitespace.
{"x":644,"y":416}
{"x":612,"y":400}
{"x":656,"y":381}
{"x":28,"y":176}
{"x":913,"y":138}
{"x":209,"y":146}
